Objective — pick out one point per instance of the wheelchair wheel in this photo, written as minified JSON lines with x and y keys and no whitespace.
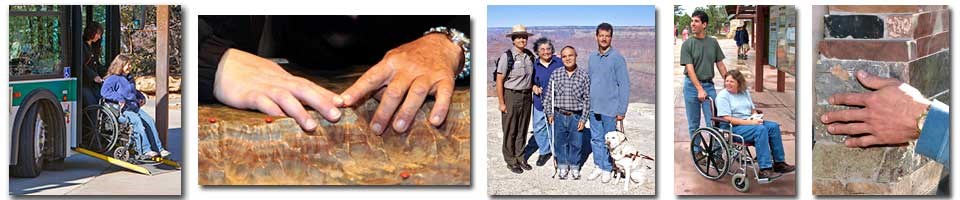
{"x":712,"y":160}
{"x":101,"y":129}
{"x":121,"y":153}
{"x":740,"y":182}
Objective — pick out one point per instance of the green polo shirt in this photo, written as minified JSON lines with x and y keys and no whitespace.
{"x":702,"y":53}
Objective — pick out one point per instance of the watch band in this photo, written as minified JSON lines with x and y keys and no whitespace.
{"x":461,"y":40}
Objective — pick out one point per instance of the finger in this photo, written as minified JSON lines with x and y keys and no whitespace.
{"x":266,"y":105}
{"x":414,"y":100}
{"x":375,"y":78}
{"x":853,"y":115}
{"x":317,"y":97}
{"x":292,"y":107}
{"x":875,"y":82}
{"x":849,"y":129}
{"x":444,"y":94}
{"x":862,"y":141}
{"x":389,"y":102}
{"x":851,"y":99}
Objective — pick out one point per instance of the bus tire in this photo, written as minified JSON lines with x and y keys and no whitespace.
{"x":28,"y":165}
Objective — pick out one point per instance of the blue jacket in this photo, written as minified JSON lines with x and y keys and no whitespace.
{"x":541,"y":78}
{"x":609,"y":83}
{"x":118,"y":89}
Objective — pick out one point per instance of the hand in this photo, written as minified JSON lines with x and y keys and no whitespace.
{"x":98,"y":79}
{"x":580,"y":126}
{"x":550,"y":119}
{"x":757,"y":121}
{"x":619,"y":117}
{"x":701,"y":94}
{"x":537,"y":90}
{"x":410,"y":72}
{"x":141,"y":102}
{"x":503,"y":108}
{"x":247,"y":81}
{"x":889,"y":114}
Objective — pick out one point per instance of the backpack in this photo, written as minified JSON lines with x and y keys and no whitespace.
{"x":510,"y":62}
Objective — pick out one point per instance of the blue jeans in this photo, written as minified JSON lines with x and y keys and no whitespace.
{"x":568,"y":142}
{"x":695,"y":107}
{"x":766,"y":139}
{"x":599,"y":128}
{"x":142,"y":122}
{"x":541,"y":133}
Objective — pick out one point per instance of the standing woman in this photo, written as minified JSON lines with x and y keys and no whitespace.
{"x":91,"y":79}
{"x":118,"y":88}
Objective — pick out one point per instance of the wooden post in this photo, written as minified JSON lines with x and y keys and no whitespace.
{"x":761,"y":41}
{"x":163,"y":31}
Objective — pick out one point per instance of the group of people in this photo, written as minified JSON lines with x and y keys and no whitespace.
{"x":698,"y":56}
{"x":562,"y":98}
{"x":118,"y":88}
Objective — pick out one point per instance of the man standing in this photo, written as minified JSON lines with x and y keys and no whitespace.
{"x":567,"y":102}
{"x":698,"y":55}
{"x":545,"y":65}
{"x":743,"y":40}
{"x":513,"y":75}
{"x":609,"y":89}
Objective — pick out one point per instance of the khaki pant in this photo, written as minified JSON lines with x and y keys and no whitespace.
{"x":515,"y":123}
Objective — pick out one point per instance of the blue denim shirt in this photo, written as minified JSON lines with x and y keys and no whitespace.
{"x":541,"y":78}
{"x":934,"y":141}
{"x":117,"y":88}
{"x":609,"y":83}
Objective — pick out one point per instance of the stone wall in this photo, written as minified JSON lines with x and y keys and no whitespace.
{"x":910,"y":43}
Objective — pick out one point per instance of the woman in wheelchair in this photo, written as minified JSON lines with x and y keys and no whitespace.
{"x":735,"y":105}
{"x":118,"y":88}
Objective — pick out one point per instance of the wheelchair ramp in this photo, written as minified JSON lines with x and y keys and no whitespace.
{"x":159,"y":166}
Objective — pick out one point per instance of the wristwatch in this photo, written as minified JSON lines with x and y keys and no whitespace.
{"x":460,"y":40}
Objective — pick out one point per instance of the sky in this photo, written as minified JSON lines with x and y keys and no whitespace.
{"x":570,"y":15}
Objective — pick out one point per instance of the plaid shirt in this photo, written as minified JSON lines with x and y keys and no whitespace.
{"x":572,"y":92}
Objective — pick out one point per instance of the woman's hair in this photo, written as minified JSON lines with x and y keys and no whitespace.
{"x":116,"y":67}
{"x":741,"y":82}
{"x":92,"y":29}
{"x":541,"y":41}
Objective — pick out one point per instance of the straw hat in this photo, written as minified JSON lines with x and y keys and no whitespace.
{"x":519,"y":30}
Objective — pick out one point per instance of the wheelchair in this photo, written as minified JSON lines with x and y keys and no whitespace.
{"x":108,"y":135}
{"x":720,"y":148}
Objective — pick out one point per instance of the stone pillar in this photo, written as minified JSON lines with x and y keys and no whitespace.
{"x":910,"y":43}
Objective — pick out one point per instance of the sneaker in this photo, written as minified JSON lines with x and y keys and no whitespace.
{"x":783,"y":168}
{"x":768,"y":174}
{"x":575,"y":174}
{"x":543,"y":159}
{"x":563,"y":174}
{"x":164,"y":153}
{"x":606,"y":177}
{"x":594,"y":174}
{"x":515,"y":169}
{"x":150,"y":154}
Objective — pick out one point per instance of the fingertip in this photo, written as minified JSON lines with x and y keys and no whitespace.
{"x":824,"y":118}
{"x":436,"y":120}
{"x":377,"y":128}
{"x":310,"y":124}
{"x":338,"y":101}
{"x":345,"y":99}
{"x":862,"y":74}
{"x":400,"y":125}
{"x":334,"y":114}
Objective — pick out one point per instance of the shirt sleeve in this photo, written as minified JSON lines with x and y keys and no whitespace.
{"x":623,"y":84}
{"x":501,"y":64}
{"x":723,"y":104}
{"x":934,"y":141}
{"x":686,"y":56}
{"x":212,"y":48}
